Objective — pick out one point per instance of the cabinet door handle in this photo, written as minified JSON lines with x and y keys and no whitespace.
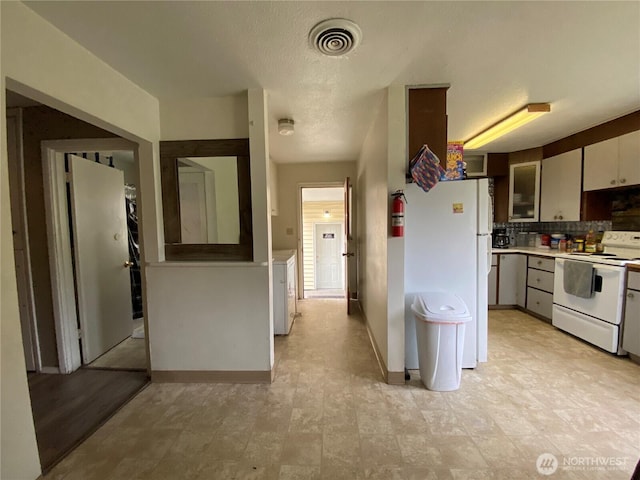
{"x":612,"y":182}
{"x":623,"y":180}
{"x":537,"y":280}
{"x":539,"y":262}
{"x":559,"y":217}
{"x":629,"y":295}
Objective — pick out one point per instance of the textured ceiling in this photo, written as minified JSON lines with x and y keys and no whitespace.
{"x":583,"y":57}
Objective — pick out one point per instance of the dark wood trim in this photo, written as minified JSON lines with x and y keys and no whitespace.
{"x":170,"y":152}
{"x":202,"y":252}
{"x":212,"y":376}
{"x":497,"y":165}
{"x":614,"y":128}
{"x":427,"y":121}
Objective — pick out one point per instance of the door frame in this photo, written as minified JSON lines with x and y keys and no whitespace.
{"x":300,"y":266}
{"x":28,"y":314}
{"x":59,"y":240}
{"x":341,"y":227}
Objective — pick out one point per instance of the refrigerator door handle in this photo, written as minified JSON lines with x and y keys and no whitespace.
{"x":489,"y":253}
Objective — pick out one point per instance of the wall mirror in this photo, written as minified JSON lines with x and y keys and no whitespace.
{"x":206,"y":197}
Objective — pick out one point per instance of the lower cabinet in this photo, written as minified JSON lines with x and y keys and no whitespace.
{"x":493,"y":281}
{"x":523,"y":280}
{"x":631,"y":328}
{"x":284,"y":294}
{"x":540,"y":286}
{"x":507,"y":279}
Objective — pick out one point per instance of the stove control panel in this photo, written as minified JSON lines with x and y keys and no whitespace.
{"x":622,"y":239}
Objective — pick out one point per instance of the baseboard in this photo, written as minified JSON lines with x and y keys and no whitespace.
{"x":50,"y":370}
{"x":212,"y":376}
{"x":392,"y":378}
{"x":396,"y":378}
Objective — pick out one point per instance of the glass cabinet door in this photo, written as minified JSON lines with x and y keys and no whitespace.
{"x":524,"y":192}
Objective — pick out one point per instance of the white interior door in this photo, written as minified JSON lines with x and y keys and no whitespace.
{"x":328,"y":248}
{"x":100,"y":255}
{"x":193,"y":208}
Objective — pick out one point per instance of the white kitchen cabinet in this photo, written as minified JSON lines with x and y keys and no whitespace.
{"x":540,"y":277}
{"x":521,"y":280}
{"x":273,"y":187}
{"x":612,"y":163}
{"x":629,"y":159}
{"x":524,"y":192}
{"x":631,"y":327}
{"x":508,"y":274}
{"x":284,"y":291}
{"x":560,"y":187}
{"x":493,"y":281}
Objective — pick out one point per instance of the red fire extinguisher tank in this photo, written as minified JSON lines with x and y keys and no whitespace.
{"x":397,"y":214}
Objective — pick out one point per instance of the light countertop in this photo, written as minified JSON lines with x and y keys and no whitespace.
{"x":544,"y":252}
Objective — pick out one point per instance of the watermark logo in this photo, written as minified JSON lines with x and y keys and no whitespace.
{"x":547,"y":464}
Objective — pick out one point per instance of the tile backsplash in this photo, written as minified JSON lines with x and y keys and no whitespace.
{"x":570,"y":228}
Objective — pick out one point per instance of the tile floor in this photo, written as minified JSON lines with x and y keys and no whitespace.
{"x":328,"y":415}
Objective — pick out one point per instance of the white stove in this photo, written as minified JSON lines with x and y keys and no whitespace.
{"x":588,"y":294}
{"x":620,"y":249}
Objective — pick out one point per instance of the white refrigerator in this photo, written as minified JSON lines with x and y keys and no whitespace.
{"x":448,"y":249}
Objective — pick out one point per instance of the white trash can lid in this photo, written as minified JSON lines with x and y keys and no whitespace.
{"x":441,"y":307}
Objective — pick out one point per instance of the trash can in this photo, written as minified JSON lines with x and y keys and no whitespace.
{"x":440,"y":325}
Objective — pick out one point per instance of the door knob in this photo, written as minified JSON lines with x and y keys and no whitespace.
{"x":348,"y":254}
{"x":128,"y":264}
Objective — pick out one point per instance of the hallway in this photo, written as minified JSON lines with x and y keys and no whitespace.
{"x":328,"y":415}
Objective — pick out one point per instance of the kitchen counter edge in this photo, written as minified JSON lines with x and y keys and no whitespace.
{"x":543,"y":252}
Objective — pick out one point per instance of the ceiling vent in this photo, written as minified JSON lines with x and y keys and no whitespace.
{"x":335,"y":37}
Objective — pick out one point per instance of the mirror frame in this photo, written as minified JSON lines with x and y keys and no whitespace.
{"x":170,"y":153}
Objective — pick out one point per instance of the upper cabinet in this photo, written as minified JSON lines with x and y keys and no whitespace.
{"x":560,"y":187}
{"x":612,"y":163}
{"x":524,"y":192}
{"x":427,"y":120}
{"x":629,"y":159}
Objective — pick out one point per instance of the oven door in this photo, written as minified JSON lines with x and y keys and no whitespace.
{"x":605,"y":304}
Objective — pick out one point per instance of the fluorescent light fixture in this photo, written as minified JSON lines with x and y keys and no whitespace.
{"x":285,"y":126}
{"x":516,"y":120}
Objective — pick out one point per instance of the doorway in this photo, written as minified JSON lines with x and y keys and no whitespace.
{"x":97,"y":393}
{"x":322,"y":222}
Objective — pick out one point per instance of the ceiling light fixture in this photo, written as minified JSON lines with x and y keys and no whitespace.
{"x":285,"y":126}
{"x":516,"y":120}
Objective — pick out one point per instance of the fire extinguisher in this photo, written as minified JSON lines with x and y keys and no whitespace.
{"x":397,"y":213}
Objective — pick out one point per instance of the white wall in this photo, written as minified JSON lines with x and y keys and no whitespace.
{"x":217,"y":316}
{"x":290,"y":176}
{"x":372,"y":203}
{"x":381,"y":171}
{"x":200,"y":118}
{"x":396,"y":170}
{"x":39,"y":61}
{"x":208,"y":317}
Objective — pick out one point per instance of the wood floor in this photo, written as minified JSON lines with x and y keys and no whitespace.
{"x":68,"y":408}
